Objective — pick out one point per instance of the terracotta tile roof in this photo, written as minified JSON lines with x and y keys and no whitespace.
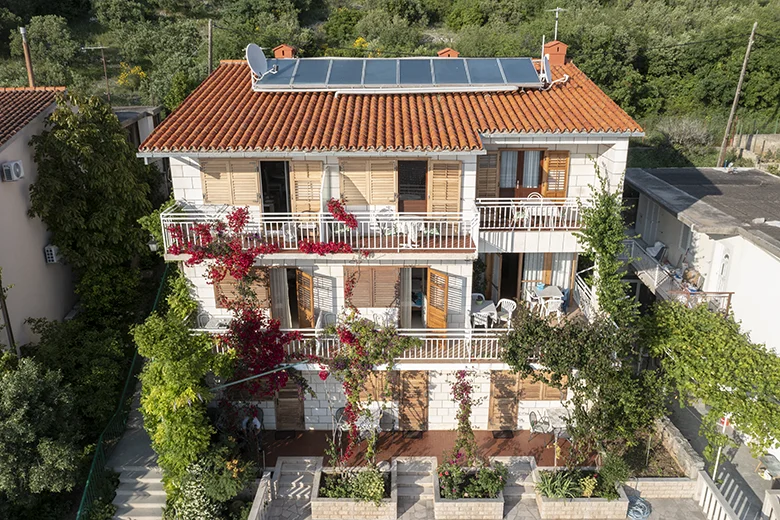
{"x":20,"y":105}
{"x":224,"y":114}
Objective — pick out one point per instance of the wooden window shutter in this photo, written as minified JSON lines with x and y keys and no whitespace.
{"x":354,"y":182}
{"x":530,"y":390}
{"x":262,"y":289}
{"x":375,"y":386}
{"x":305,"y":186}
{"x":555,"y":174}
{"x":245,"y":182}
{"x":385,"y":286}
{"x":362,"y":290}
{"x":551,"y":393}
{"x":215,"y":177}
{"x":487,"y":176}
{"x":229,"y":288}
{"x":383,"y":182}
{"x":444,"y":190}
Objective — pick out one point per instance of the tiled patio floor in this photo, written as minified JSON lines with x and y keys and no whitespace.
{"x":431,"y":444}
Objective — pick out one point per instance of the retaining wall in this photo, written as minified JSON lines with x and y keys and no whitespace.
{"x":349,"y":508}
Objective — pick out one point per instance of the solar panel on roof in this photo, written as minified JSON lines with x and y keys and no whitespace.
{"x":451,"y":71}
{"x":312,"y":72}
{"x":380,"y":72}
{"x":484,"y":71}
{"x":519,"y":70}
{"x":282,"y":76}
{"x":346,"y":72}
{"x":416,"y":72}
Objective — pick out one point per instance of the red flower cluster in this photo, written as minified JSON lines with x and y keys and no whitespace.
{"x":336,"y":208}
{"x":324,"y":248}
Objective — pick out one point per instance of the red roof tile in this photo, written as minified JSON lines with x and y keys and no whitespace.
{"x":225,"y":114}
{"x":19,"y":106}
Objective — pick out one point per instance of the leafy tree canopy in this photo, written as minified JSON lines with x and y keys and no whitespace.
{"x":91,"y":189}
{"x":708,"y":358}
{"x":52,"y":47}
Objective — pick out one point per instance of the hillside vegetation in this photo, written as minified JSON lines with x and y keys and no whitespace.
{"x":671,"y":64}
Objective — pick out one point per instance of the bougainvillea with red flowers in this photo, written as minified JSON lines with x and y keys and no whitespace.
{"x":339,"y":212}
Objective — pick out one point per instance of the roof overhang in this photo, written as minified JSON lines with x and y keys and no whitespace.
{"x":557,"y":137}
{"x":152,"y":154}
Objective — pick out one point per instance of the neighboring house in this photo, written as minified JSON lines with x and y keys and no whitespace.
{"x":42,"y":286}
{"x":710,"y":235}
{"x":139,"y":122}
{"x":442,"y":160}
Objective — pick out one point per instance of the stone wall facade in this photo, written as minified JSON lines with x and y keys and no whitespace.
{"x":582,"y":508}
{"x":350,"y":509}
{"x":678,"y":446}
{"x":465,"y":508}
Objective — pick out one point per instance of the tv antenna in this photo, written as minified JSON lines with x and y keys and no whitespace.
{"x":557,"y":11}
{"x":255,"y":57}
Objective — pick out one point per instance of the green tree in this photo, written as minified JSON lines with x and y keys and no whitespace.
{"x":117,"y":13}
{"x":340,"y":26}
{"x":181,"y":86}
{"x":465,"y":13}
{"x":91,"y":189}
{"x":8,"y":23}
{"x":52,"y":47}
{"x":38,"y":433}
{"x":708,"y":358}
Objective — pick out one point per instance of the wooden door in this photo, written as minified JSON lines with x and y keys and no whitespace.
{"x":555,"y":174}
{"x":354,"y":181}
{"x":438,"y":293}
{"x":305,"y":186}
{"x":487,"y":176}
{"x":305,"y":290}
{"x":245,"y":182}
{"x":289,"y":408}
{"x":383,"y":183}
{"x":503,"y":400}
{"x":413,"y":400}
{"x":444,"y":186}
{"x":523,"y":156}
{"x":215,"y":177}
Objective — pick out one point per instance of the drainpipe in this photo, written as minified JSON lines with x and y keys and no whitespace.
{"x":27,"y":59}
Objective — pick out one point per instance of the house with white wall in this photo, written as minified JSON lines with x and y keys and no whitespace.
{"x":443,"y":161}
{"x":710,"y":235}
{"x":41,"y":284}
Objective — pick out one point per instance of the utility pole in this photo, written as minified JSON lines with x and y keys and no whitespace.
{"x":557,"y":11}
{"x":210,"y":47}
{"x":105,"y":69}
{"x":727,"y":133}
{"x":27,"y":58}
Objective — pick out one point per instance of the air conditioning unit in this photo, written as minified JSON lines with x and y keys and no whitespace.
{"x":13,"y":171}
{"x":52,"y":254}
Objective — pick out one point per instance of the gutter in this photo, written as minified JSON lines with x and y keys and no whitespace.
{"x":307,"y":155}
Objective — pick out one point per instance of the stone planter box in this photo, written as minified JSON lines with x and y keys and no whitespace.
{"x":465,"y":508}
{"x":582,"y":508}
{"x":662,"y":487}
{"x":350,"y":509}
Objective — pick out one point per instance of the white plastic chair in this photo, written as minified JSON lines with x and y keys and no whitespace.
{"x":476,"y":296}
{"x":505,"y":308}
{"x":479,"y":319}
{"x":553,"y":306}
{"x":532,"y":298}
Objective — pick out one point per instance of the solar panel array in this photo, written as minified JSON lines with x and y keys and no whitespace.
{"x":378,"y":73}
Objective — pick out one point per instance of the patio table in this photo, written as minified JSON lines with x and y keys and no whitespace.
{"x":487,"y":308}
{"x":551,"y":291}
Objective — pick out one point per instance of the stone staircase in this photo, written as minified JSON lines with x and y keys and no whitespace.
{"x":415,"y":479}
{"x":519,"y":483}
{"x":294,"y":477}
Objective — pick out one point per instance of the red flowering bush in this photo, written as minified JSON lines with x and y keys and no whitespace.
{"x":336,"y":208}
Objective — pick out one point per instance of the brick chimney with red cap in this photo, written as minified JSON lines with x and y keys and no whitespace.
{"x":557,"y":52}
{"x":448,"y":53}
{"x":284,"y":51}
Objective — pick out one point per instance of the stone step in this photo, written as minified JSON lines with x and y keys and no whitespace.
{"x":295,"y":480}
{"x":148,"y":488}
{"x":140,"y":474}
{"x":139,"y":501}
{"x":294,"y":492}
{"x":130,"y":513}
{"x":418,"y":492}
{"x":415,"y":480}
{"x":414,"y":467}
{"x":513,"y":490}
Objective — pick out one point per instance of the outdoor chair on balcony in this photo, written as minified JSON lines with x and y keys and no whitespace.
{"x":531,"y":298}
{"x":479,"y":320}
{"x":552,"y":306}
{"x":538,"y":425}
{"x":505,"y":308}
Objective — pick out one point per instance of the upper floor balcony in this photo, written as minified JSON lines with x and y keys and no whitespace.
{"x":529,"y":213}
{"x":384,"y":231}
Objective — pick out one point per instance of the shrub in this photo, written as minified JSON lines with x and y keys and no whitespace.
{"x":687,"y":132}
{"x":558,"y":484}
{"x":614,"y":471}
{"x":588,"y":485}
{"x":367,"y":485}
{"x":488,"y":482}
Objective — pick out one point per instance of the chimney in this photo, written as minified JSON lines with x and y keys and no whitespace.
{"x":448,"y":53}
{"x":284,"y":51}
{"x":557,"y":52}
{"x":27,"y":59}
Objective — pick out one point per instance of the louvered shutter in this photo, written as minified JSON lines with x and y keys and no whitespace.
{"x":438,"y":296}
{"x":305,"y":186}
{"x":550,"y":393}
{"x":413,"y":400}
{"x":245,"y":182}
{"x":363,"y":288}
{"x":375,"y":387}
{"x":385,"y":286}
{"x":487,"y":176}
{"x":261,"y":288}
{"x":215,"y":177}
{"x":354,"y":182}
{"x":502,"y":414}
{"x":305,"y":293}
{"x":227,"y":288}
{"x":556,"y":174}
{"x":444,"y":189}
{"x":530,"y":390}
{"x":383,"y":182}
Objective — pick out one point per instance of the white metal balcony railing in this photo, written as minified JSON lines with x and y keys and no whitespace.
{"x":662,"y":281}
{"x":532,"y":213}
{"x":376,"y":231}
{"x":583,"y":295}
{"x":436,"y":344}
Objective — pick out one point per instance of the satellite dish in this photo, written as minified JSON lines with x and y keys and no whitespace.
{"x":256,"y":59}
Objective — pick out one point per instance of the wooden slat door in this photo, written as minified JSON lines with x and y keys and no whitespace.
{"x":354,"y":181}
{"x":228,"y":288}
{"x":504,"y":396}
{"x":215,"y":177}
{"x":305,"y":290}
{"x":245,"y":182}
{"x":413,"y":400}
{"x":289,"y":408}
{"x":305,"y":186}
{"x":444,"y":186}
{"x":555,"y":174}
{"x":487,"y":176}
{"x":385,"y":288}
{"x":438,"y":294}
{"x":383,"y":183}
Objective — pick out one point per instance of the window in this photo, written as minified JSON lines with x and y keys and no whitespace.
{"x":375,"y":287}
{"x":508,"y":169}
{"x":685,"y":237}
{"x":532,"y":169}
{"x":526,"y":163}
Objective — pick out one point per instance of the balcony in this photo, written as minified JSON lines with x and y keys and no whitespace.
{"x":532,"y":213}
{"x":437,"y":345}
{"x":380,"y":231}
{"x":666,"y":284}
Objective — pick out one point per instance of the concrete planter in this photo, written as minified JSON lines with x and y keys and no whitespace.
{"x":582,"y":508}
{"x":662,"y":487}
{"x":465,"y":508}
{"x":350,"y":509}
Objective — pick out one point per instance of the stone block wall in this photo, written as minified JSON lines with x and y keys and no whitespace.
{"x":465,"y":508}
{"x":678,"y":446}
{"x":348,"y":508}
{"x":441,"y":407}
{"x":582,"y":508}
{"x":662,"y":487}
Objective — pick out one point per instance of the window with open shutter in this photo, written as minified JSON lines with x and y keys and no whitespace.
{"x":487,"y":176}
{"x":228,"y":288}
{"x":305,"y":185}
{"x":444,"y":186}
{"x":354,"y":182}
{"x":215,"y":176}
{"x":556,"y":173}
{"x":374,"y":287}
{"x":382,"y":182}
{"x":245,"y":182}
{"x":438,"y":297}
